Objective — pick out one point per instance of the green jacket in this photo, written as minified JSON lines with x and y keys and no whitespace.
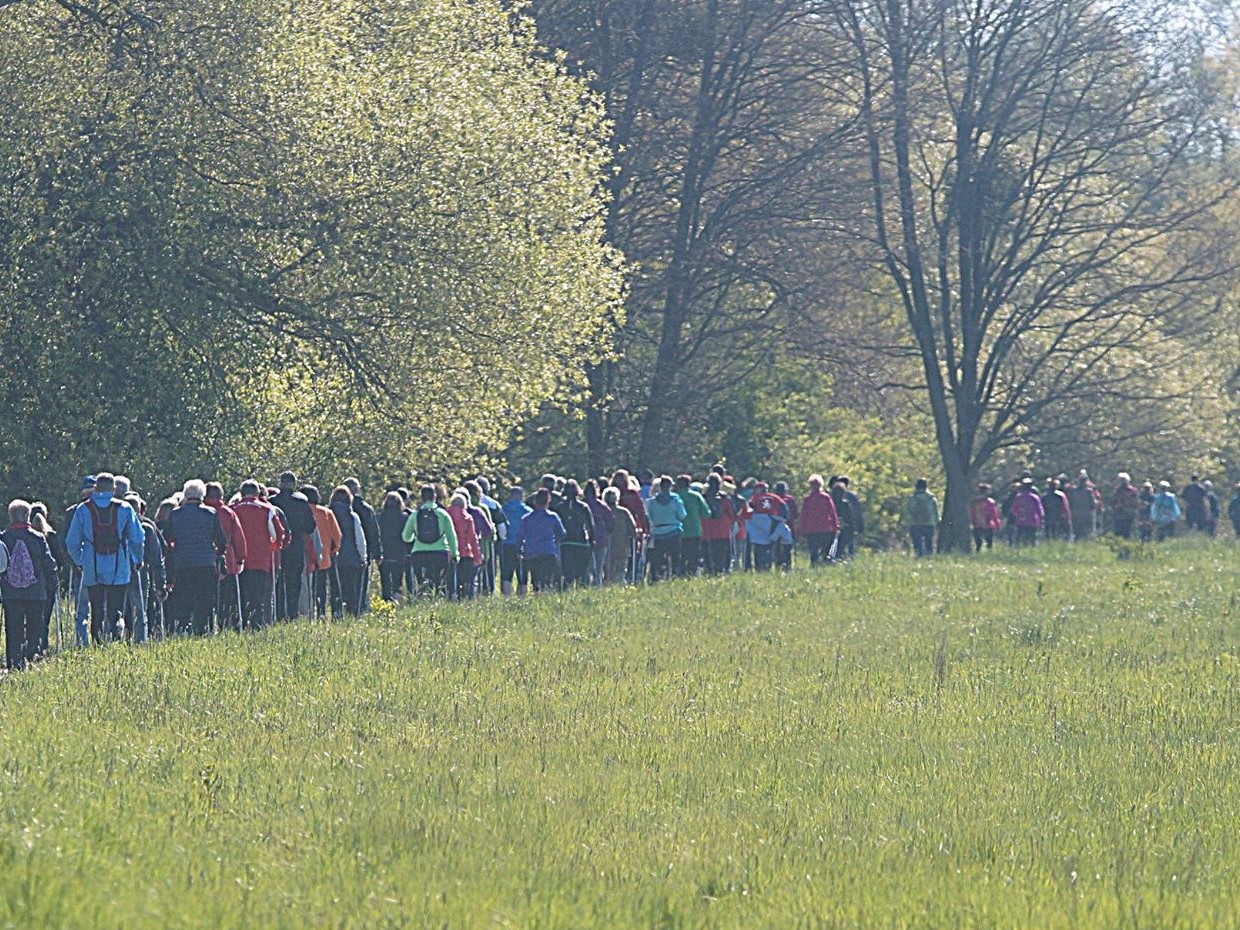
{"x":696,"y":510}
{"x":447,"y":534}
{"x":921,"y":509}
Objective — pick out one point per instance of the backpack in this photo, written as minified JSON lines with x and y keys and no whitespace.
{"x":103,"y":524}
{"x":574,"y":523}
{"x":428,"y":527}
{"x":20,"y":573}
{"x":714,"y":502}
{"x":923,"y":510}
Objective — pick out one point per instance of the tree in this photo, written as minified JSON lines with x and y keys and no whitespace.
{"x":240,"y":235}
{"x":724,"y":122}
{"x":1039,"y":207}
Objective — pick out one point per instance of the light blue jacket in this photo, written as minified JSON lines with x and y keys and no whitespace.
{"x":1165,"y":509}
{"x":80,"y":541}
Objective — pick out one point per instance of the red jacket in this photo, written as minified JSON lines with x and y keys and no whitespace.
{"x":984,"y":515}
{"x":818,"y":514}
{"x":720,"y":527}
{"x":265,"y":533}
{"x":234,"y":553}
{"x":633,"y":503}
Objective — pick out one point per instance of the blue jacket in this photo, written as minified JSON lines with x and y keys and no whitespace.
{"x":515,"y":511}
{"x":540,"y":533}
{"x":195,"y":537}
{"x":80,"y":540}
{"x":667,"y":515}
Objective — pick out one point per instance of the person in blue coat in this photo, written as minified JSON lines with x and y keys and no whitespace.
{"x":105,"y":541}
{"x":538,"y":542}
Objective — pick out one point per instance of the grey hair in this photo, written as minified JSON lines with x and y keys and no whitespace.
{"x":195,"y":490}
{"x":19,"y":511}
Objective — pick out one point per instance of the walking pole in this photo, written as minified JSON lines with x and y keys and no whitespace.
{"x":240,"y":615}
{"x":337,"y":590}
{"x":60,"y":631}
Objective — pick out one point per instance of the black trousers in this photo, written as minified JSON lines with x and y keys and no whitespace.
{"x":106,"y":603}
{"x":391,"y":579}
{"x":288,"y":579}
{"x":690,"y":555}
{"x":664,"y":557}
{"x":578,"y":562}
{"x":981,"y":537}
{"x":430,"y":569}
{"x":544,"y":572}
{"x":23,"y":621}
{"x":820,"y":547}
{"x":192,"y":601}
{"x":350,"y":587}
{"x":718,"y":556}
{"x":256,"y":598}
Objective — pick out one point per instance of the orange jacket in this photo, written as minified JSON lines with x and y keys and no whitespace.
{"x":329,"y":534}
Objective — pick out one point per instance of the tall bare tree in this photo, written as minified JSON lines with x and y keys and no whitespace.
{"x":724,"y":123}
{"x":1038,"y":204}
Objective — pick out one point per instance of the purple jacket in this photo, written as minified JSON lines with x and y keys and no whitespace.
{"x":604,"y":522}
{"x":1027,"y":509}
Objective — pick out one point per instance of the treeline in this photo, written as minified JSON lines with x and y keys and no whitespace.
{"x":965,"y":237}
{"x":878,"y":236}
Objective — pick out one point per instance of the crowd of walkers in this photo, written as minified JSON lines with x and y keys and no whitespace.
{"x":1074,"y":511}
{"x":207,"y":561}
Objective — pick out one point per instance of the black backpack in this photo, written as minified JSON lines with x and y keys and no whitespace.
{"x":574,"y":522}
{"x":429,"y":530}
{"x":714,"y":501}
{"x":103,"y":524}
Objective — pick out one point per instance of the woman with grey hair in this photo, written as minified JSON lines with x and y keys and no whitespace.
{"x":27,"y":584}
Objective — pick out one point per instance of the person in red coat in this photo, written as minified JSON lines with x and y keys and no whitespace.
{"x":228,"y":592}
{"x":819,"y":521}
{"x":985,"y":518}
{"x":717,"y":528}
{"x":265,"y":535}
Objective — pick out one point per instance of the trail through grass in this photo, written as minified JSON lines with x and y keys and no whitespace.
{"x":1027,"y":740}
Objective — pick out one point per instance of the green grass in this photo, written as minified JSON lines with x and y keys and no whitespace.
{"x":1027,"y":740}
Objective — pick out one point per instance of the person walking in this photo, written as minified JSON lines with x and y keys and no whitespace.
{"x":1125,"y":502}
{"x":512,"y":572}
{"x":370,"y":529}
{"x":984,"y":518}
{"x":430,"y":530}
{"x":819,"y":522}
{"x":577,"y":547}
{"x":1193,"y":496}
{"x":1028,"y":513}
{"x":666,"y":512}
{"x":604,"y":526}
{"x":696,"y":510}
{"x":290,"y":564}
{"x":349,"y":565}
{"x":265,"y":537}
{"x":469,"y":546}
{"x":622,"y":546}
{"x":718,"y":525}
{"x":921,"y":514}
{"x":27,"y":582}
{"x":103,"y":535}
{"x":1165,"y":512}
{"x":538,"y":541}
{"x":391,"y":520}
{"x":195,"y":539}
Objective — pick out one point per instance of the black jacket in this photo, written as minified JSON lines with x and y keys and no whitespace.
{"x":370,"y":529}
{"x":44,"y":587}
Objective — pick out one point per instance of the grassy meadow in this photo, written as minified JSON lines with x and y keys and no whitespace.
{"x":1025,"y":740}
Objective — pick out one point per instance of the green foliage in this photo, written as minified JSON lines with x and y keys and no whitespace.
{"x":1028,"y":739}
{"x":241,"y":234}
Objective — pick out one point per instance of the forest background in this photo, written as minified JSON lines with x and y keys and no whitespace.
{"x":960,"y":238}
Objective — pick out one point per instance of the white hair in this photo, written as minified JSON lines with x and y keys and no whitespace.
{"x":1124,"y":476}
{"x":462,"y":497}
{"x":121,"y":486}
{"x":195,"y":490}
